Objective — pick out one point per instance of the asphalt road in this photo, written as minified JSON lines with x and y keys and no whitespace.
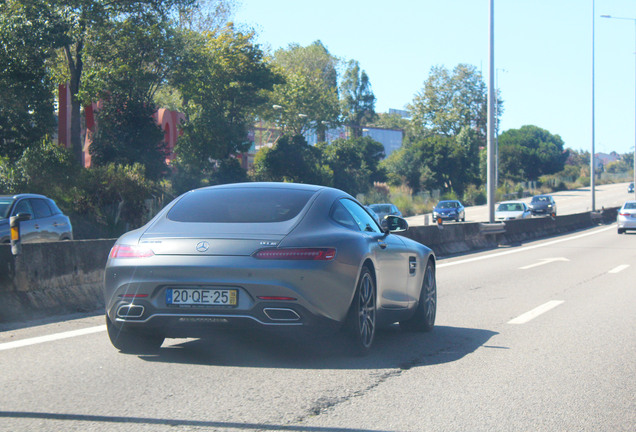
{"x":568,"y":202}
{"x":539,"y":337}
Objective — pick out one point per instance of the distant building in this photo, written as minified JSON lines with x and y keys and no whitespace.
{"x":391,"y":139}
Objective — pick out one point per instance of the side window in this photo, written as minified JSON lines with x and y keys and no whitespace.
{"x":41,"y":208}
{"x":23,"y":206}
{"x":364,"y":221}
{"x":343,"y":217}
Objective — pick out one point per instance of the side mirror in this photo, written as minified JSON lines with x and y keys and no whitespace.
{"x":394,"y":224}
{"x":14,"y":224}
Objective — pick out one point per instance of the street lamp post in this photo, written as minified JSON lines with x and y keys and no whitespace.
{"x":634,"y":20}
{"x":490,"y":178}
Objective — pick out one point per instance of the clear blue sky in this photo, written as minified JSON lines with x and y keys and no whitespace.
{"x":543,"y":53}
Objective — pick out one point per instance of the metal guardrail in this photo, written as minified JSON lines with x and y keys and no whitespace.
{"x":492,"y":228}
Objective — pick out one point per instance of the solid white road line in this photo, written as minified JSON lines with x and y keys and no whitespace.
{"x":523,"y":248}
{"x":528,"y":316}
{"x":619,"y":268}
{"x":53,"y":337}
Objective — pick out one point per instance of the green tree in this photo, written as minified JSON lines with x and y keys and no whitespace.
{"x":291,"y":159}
{"x":82,"y":21}
{"x":223,"y":79}
{"x":28,"y":38}
{"x":127,"y":134}
{"x":450,"y":101}
{"x":530,"y":152}
{"x":390,"y":121}
{"x":308,"y":98}
{"x":435,"y":162}
{"x":353,"y":162}
{"x":358,"y":100}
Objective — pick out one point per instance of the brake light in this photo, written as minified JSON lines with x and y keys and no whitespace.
{"x":308,"y":254}
{"x":130,"y":251}
{"x":624,"y":214}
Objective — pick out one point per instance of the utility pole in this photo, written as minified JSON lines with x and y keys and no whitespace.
{"x":492,"y":186}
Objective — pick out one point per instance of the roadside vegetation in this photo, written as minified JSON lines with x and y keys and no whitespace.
{"x":186,"y":55}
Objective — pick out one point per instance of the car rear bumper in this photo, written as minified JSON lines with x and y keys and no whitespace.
{"x":268,"y":293}
{"x":626,"y":223}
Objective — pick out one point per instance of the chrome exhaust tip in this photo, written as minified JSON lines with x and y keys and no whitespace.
{"x":130,"y":311}
{"x":281,"y":314}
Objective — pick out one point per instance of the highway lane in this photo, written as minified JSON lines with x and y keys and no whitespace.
{"x":568,"y":202}
{"x":487,"y":366}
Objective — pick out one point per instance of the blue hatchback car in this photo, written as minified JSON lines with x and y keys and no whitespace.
{"x":449,"y":210}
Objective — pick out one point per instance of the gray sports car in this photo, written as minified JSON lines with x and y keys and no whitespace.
{"x":266,"y":254}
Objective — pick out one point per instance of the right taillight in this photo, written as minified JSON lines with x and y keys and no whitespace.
{"x":310,"y":254}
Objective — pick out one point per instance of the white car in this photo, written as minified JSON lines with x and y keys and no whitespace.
{"x":626,"y":217}
{"x":508,"y":210}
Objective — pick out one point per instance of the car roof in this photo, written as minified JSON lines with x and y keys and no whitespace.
{"x":24,"y":195}
{"x":512,"y":202}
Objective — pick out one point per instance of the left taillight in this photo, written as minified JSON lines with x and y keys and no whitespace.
{"x":130,"y":251}
{"x":307,"y":254}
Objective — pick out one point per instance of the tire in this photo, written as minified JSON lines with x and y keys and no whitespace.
{"x":621,"y":231}
{"x":363,"y":314}
{"x":132,"y":342}
{"x":424,"y":318}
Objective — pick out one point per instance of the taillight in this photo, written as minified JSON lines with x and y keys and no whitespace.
{"x":310,"y":254}
{"x":624,"y":214}
{"x":130,"y":251}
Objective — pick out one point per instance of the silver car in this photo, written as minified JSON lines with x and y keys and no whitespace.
{"x":46,"y":221}
{"x":626,"y":217}
{"x":272,"y":255}
{"x":508,"y":210}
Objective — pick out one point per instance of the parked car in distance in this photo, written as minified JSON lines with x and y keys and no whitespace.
{"x":271,"y":255}
{"x":384,"y":209}
{"x":449,"y":210}
{"x":543,"y":205}
{"x":47,"y":223}
{"x":508,"y":210}
{"x":630,"y":188}
{"x":626,"y":217}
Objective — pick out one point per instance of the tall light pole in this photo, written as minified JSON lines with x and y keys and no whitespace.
{"x":592,"y":168}
{"x":634,"y":20}
{"x":492,"y":187}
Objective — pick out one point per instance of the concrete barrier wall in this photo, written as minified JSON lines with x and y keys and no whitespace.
{"x":453,"y":238}
{"x":66,"y":277}
{"x":52,"y":278}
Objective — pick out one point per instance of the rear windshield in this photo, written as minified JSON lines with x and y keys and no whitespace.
{"x":510,"y":207}
{"x":240,"y":205}
{"x":381,"y":208}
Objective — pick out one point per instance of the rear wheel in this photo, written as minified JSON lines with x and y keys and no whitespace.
{"x":132,"y":342}
{"x":621,"y":231}
{"x":424,"y":317}
{"x":363,"y":313}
